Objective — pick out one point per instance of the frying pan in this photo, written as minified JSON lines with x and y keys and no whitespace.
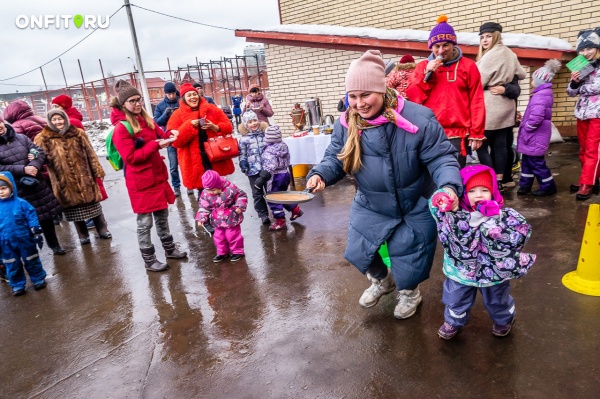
{"x":289,"y":197}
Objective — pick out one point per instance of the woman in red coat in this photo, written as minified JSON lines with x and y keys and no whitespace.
{"x":146,"y":175}
{"x":194,"y":132}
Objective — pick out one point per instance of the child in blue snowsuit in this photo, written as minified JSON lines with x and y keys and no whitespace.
{"x":483,"y":245}
{"x":276,"y":161}
{"x":237,"y":108}
{"x":19,"y":232}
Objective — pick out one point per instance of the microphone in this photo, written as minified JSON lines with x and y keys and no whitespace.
{"x":439,"y":59}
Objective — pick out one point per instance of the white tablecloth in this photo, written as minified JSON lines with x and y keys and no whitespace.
{"x":308,"y":149}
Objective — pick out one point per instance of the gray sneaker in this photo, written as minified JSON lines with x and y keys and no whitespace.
{"x":408,"y":300}
{"x":377,"y":289}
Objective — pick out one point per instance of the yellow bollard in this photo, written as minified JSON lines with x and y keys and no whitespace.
{"x":586,"y":279}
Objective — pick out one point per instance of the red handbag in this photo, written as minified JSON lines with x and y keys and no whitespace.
{"x":100,"y":184}
{"x":221,"y":148}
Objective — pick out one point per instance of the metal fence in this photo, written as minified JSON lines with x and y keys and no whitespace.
{"x":221,"y":79}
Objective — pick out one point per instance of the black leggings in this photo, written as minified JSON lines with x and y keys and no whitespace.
{"x":49,"y":232}
{"x":497,"y":142}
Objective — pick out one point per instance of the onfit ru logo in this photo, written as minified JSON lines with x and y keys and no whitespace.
{"x":62,"y":21}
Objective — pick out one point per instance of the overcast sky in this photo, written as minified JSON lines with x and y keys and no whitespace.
{"x":159,"y":37}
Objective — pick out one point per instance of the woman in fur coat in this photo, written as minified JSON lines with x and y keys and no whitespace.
{"x":73,"y":168}
{"x":196,"y":121}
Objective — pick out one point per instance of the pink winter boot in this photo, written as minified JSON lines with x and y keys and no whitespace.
{"x":278,"y":225}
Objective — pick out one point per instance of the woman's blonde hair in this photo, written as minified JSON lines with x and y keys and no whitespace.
{"x":496,"y":38}
{"x":350,"y":155}
{"x":131,"y":118}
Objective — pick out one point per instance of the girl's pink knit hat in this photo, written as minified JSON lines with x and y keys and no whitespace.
{"x":211,"y":179}
{"x":367,"y":73}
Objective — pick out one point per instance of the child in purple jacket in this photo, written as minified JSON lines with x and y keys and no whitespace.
{"x":222,"y":205}
{"x":276,"y":161}
{"x":535,"y":131}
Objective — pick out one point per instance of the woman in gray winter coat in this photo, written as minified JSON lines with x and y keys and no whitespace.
{"x":381,"y":132}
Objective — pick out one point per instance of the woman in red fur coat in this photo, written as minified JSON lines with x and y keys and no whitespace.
{"x":193,"y":161}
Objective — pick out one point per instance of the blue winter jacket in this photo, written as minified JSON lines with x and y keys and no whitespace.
{"x":17,"y":217}
{"x":400,"y":171}
{"x":160,"y":111}
{"x":251,"y":147}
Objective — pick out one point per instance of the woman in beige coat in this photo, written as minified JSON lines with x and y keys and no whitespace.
{"x":498,"y":65}
{"x":74,"y":169}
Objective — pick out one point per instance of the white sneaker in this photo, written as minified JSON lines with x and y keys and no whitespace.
{"x":377,"y":289}
{"x":408,"y":300}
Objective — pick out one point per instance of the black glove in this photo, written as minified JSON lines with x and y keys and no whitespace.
{"x":262,"y":180}
{"x":138,"y":143}
{"x":244,"y":166}
{"x":37,"y":236}
{"x":169,"y":111}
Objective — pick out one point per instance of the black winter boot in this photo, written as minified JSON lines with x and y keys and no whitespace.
{"x":82,"y":232}
{"x":171,"y":248}
{"x":152,"y":264}
{"x":102,"y":227}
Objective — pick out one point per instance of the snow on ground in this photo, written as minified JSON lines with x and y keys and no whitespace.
{"x":523,"y":40}
{"x":97,"y":131}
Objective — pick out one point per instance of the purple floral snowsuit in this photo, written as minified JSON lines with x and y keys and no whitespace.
{"x":482,"y":253}
{"x":219,"y":211}
{"x":276,"y":161}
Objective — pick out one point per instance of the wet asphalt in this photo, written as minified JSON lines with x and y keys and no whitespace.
{"x":284,"y":322}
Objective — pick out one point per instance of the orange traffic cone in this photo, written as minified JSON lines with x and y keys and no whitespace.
{"x":586,"y":279}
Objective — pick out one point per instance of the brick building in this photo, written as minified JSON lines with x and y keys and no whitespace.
{"x":314,"y":65}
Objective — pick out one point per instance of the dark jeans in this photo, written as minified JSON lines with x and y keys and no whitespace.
{"x":174,"y":167}
{"x":260,"y":205}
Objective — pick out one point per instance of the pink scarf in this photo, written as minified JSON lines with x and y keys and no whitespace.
{"x":389,"y":115}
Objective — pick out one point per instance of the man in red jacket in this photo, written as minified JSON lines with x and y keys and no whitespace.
{"x":450,"y":85}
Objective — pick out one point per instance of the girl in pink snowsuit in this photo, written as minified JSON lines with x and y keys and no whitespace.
{"x":222,"y":205}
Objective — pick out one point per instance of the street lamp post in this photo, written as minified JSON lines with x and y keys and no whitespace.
{"x":138,"y":58}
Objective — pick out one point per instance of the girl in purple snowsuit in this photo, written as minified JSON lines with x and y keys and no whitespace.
{"x":483,"y":245}
{"x":535,"y":131}
{"x":276,"y":161}
{"x":222,"y":205}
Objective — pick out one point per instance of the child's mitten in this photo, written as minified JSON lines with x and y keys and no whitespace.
{"x":37,"y":236}
{"x":138,"y":143}
{"x":442,"y":201}
{"x":262,"y":180}
{"x":488,"y":208}
{"x":244,"y":166}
